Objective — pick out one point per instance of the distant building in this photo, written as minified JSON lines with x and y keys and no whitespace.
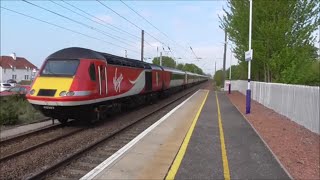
{"x":17,"y":68}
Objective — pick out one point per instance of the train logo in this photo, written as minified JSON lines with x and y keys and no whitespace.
{"x":117,"y":81}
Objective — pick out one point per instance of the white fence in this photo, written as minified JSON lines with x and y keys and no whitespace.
{"x":298,"y":103}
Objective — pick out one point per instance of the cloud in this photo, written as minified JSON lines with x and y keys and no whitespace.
{"x":211,"y":54}
{"x":146,"y":14}
{"x":104,"y":17}
{"x":191,"y":8}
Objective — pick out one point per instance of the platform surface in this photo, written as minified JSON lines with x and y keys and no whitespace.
{"x":216,"y":149}
{"x":246,"y":154}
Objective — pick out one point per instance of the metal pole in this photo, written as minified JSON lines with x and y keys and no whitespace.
{"x":224,"y":59}
{"x":160,"y":58}
{"x":230,"y":71}
{"x":215,"y":67}
{"x":142,"y":44}
{"x":248,"y":95}
{"x":157,"y":52}
{"x":215,"y":71}
{"x":126,"y":53}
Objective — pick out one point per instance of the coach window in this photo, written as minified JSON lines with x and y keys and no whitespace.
{"x":92,"y":72}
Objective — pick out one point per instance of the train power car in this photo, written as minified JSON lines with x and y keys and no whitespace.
{"x":79,"y":83}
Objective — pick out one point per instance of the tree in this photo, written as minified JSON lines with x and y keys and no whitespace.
{"x":236,"y":73}
{"x":281,"y":38}
{"x":180,"y":66}
{"x":166,"y":61}
{"x":218,"y":77}
{"x":192,"y":68}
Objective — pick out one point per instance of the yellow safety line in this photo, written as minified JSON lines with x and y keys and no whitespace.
{"x":176,"y":164}
{"x":226,"y":172}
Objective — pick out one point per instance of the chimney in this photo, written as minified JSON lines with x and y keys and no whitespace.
{"x":13,"y":55}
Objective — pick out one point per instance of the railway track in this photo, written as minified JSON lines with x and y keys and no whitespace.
{"x":24,"y":135}
{"x":8,"y":154}
{"x":49,"y":157}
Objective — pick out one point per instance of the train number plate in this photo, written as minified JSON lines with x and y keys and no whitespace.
{"x":48,"y":107}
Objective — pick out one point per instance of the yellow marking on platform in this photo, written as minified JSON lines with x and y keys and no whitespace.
{"x":177,"y":161}
{"x":226,"y":171}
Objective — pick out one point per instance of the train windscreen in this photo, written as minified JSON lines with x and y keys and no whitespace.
{"x":60,"y":67}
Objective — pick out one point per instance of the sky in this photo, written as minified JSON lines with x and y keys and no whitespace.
{"x":179,"y":25}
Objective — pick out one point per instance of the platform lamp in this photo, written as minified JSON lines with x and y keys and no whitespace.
{"x":248,"y":57}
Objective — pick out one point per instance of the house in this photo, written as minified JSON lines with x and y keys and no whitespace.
{"x":17,"y":68}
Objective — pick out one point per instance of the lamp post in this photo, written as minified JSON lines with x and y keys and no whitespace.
{"x":230,"y":71}
{"x":249,"y":58}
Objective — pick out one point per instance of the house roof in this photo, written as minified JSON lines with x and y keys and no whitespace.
{"x":8,"y":62}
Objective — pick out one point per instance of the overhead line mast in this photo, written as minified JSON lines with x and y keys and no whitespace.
{"x":154,"y":27}
{"x":131,"y":22}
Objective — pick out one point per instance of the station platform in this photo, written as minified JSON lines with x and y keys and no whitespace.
{"x":205,"y":137}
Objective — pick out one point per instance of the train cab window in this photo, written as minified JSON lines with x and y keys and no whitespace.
{"x":92,"y":72}
{"x":60,"y":67}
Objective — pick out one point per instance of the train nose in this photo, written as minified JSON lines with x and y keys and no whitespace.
{"x":51,"y":86}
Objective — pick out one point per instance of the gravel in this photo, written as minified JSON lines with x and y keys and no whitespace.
{"x":296,"y":147}
{"x":21,"y":144}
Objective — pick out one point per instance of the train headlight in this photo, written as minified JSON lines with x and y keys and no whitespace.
{"x":71,"y":93}
{"x":32,"y":92}
{"x":63,"y":93}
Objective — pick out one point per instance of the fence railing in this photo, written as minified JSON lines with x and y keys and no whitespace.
{"x":297,"y":102}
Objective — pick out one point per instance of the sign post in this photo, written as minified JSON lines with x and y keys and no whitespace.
{"x":249,"y":58}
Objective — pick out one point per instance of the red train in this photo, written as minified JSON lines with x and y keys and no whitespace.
{"x":78,"y":83}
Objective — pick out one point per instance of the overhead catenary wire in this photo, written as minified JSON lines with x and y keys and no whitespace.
{"x":194,"y":53}
{"x":152,"y":24}
{"x":78,"y":22}
{"x":67,"y":29}
{"x":90,"y":20}
{"x":128,"y":21}
{"x":101,"y":20}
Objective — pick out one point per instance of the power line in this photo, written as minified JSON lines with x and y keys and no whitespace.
{"x":75,"y":21}
{"x":101,"y":20}
{"x":150,"y":23}
{"x":128,"y":20}
{"x":194,"y":53}
{"x":67,"y":29}
{"x":90,"y":20}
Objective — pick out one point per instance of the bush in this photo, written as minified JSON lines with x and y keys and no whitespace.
{"x":16,"y":109}
{"x":25,"y":82}
{"x":8,"y":115}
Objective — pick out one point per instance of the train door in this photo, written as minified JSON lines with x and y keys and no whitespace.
{"x":102,"y":79}
{"x":148,"y":85}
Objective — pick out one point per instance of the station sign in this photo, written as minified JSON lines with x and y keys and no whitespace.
{"x":248,"y":55}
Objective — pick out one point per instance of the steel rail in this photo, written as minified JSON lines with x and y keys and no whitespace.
{"x":23,"y":151}
{"x":29,"y":133}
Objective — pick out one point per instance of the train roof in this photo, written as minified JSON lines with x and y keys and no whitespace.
{"x":169,"y":69}
{"x":83,"y":53}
